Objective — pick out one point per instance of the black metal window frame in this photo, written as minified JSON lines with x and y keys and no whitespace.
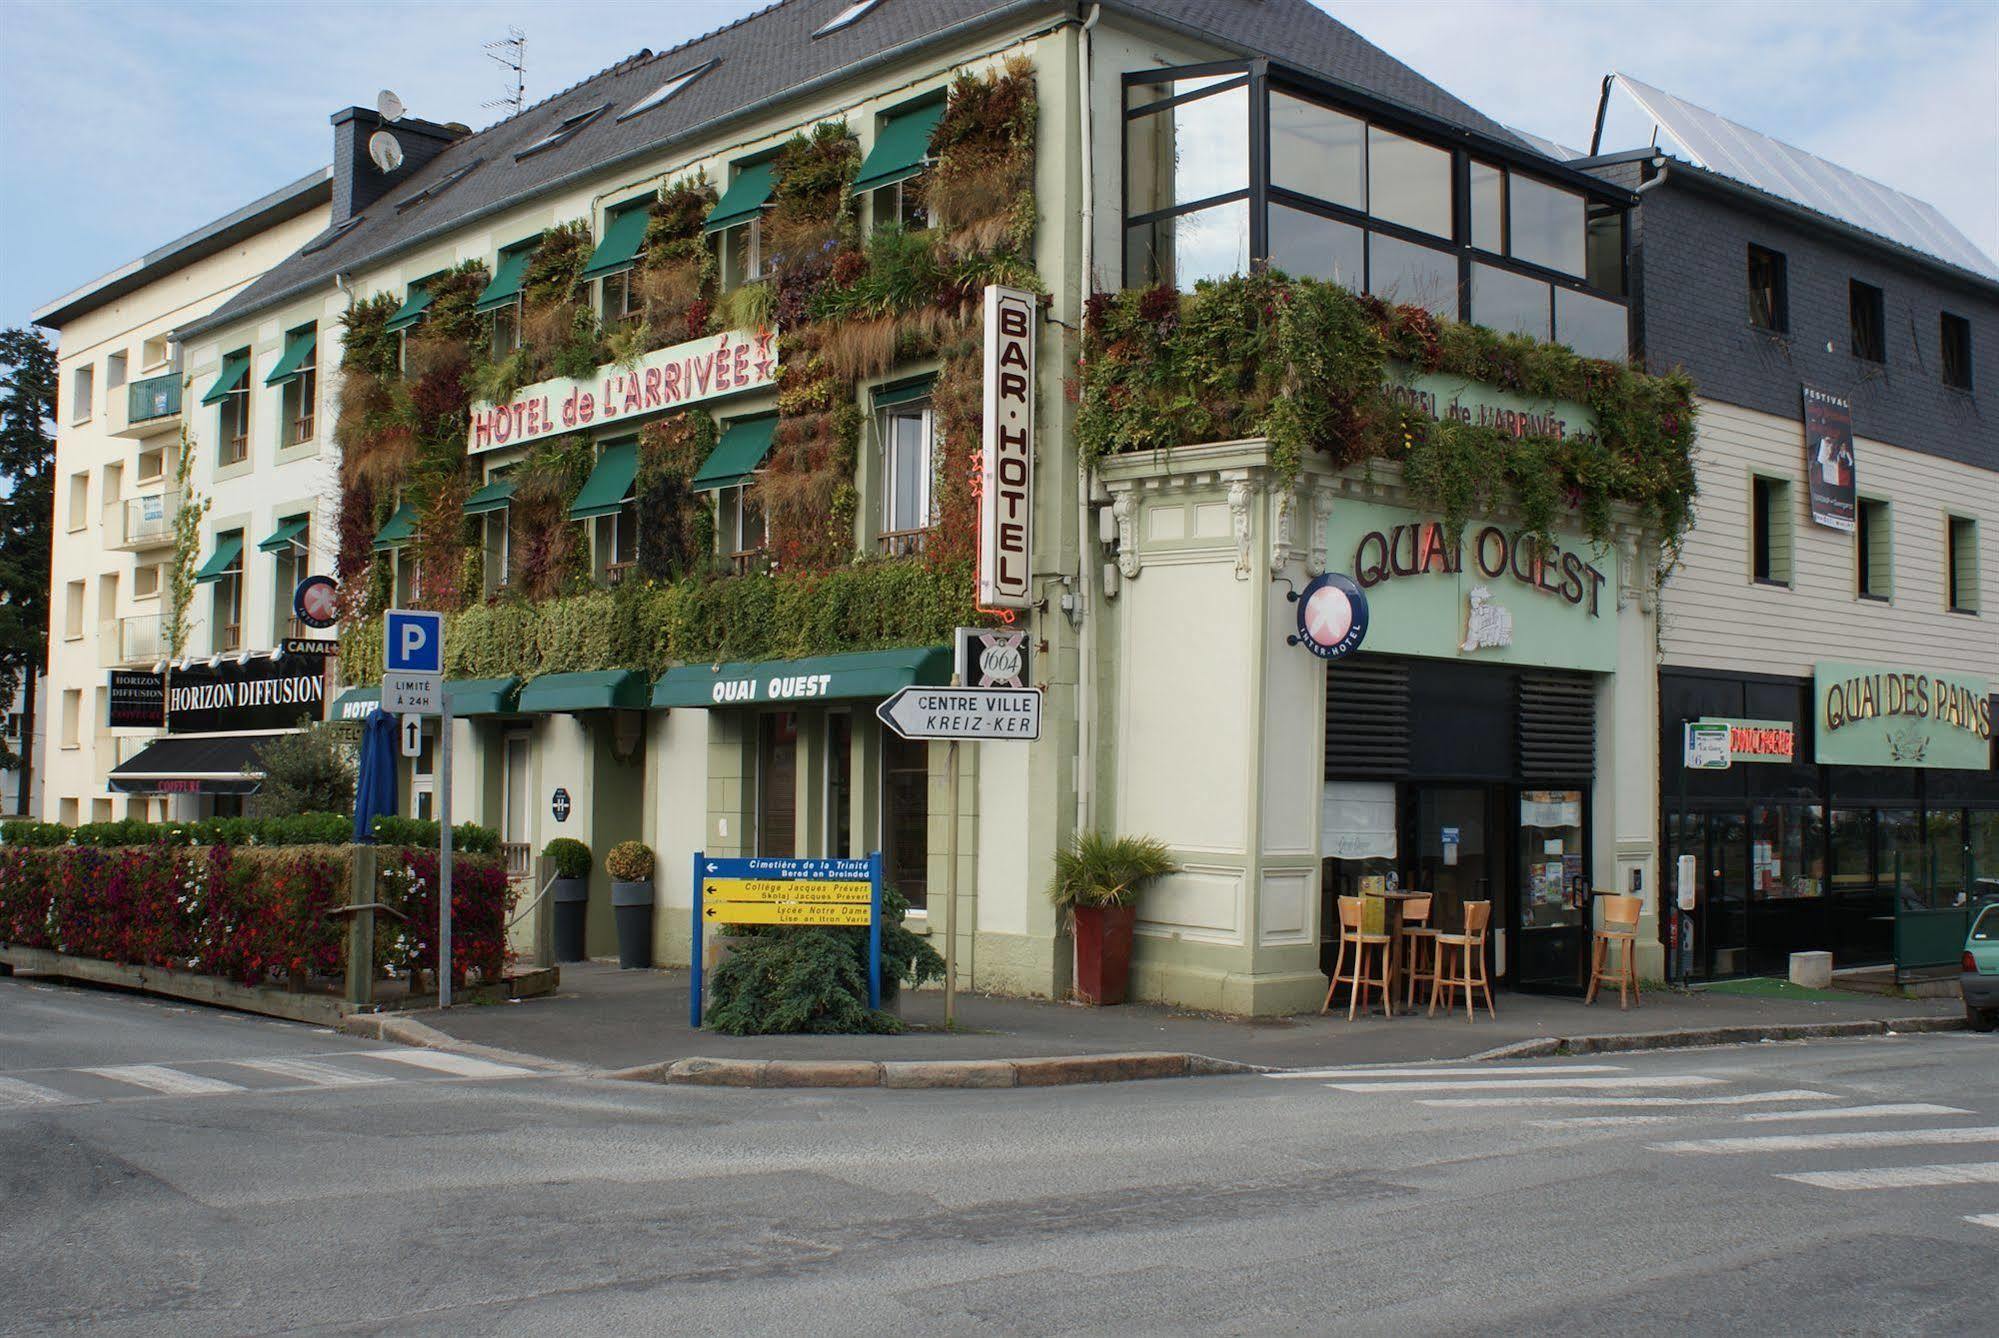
{"x":1261,"y":77}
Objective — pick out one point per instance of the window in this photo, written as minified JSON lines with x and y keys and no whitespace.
{"x":405,"y":573}
{"x":72,"y":724}
{"x":1603,"y":249}
{"x":146,"y":581}
{"x":906,"y":469}
{"x":839,"y":842}
{"x":293,"y":551}
{"x":1408,"y":182}
{"x":423,"y":778}
{"x":1317,"y":151}
{"x":1306,"y":245}
{"x":1769,"y":302}
{"x":79,"y":500}
{"x":1869,"y":322}
{"x":114,"y":370}
{"x":742,"y":254}
{"x":618,"y":541}
{"x":1488,"y":207}
{"x":901,"y":205}
{"x":1961,"y":563}
{"x":619,"y":298}
{"x":740,"y":526}
{"x":1180,"y":250}
{"x":666,"y":90}
{"x":82,"y":383}
{"x":73,"y":611}
{"x":563,"y":130}
{"x":1770,"y":531}
{"x":228,"y":597}
{"x":507,"y":327}
{"x":1545,"y":225}
{"x":1956,"y":358}
{"x":1510,"y":303}
{"x":850,"y":14}
{"x":1187,"y":152}
{"x":152,"y":465}
{"x":299,"y":395}
{"x":905,"y":837}
{"x":1873,"y":550}
{"x":1421,"y":276}
{"x":233,"y":432}
{"x":154,"y":352}
{"x":1595,"y":327}
{"x":777,"y":783}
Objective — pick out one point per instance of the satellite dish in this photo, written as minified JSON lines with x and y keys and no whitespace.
{"x":386,"y":152}
{"x":389,"y":105}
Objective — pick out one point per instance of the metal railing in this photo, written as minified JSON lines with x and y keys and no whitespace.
{"x":134,"y":640}
{"x":141,"y":522}
{"x":152,"y":398}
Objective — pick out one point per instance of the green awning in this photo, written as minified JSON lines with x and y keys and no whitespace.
{"x":616,"y":689}
{"x":412,"y":309}
{"x":495,"y":496}
{"x":234,"y":368}
{"x":902,"y":147}
{"x":904,"y":392}
{"x":355,"y":703}
{"x":744,"y":199}
{"x":610,"y":483}
{"x":282,"y":537}
{"x":740,"y":451}
{"x":623,"y":233}
{"x":482,"y":696}
{"x":298,"y":347}
{"x":228,"y":550}
{"x":399,"y":529}
{"x":506,"y":284}
{"x":865,"y":673}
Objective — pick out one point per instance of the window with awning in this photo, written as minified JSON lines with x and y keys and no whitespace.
{"x":610,"y":483}
{"x":495,"y":496}
{"x":415,"y":303}
{"x":902,"y":147}
{"x":397,"y":532}
{"x":740,"y":452}
{"x":507,"y":276}
{"x":285,"y":535}
{"x":624,"y":233}
{"x":235,"y":367}
{"x":299,"y":345}
{"x":746,"y":196}
{"x":225,"y":561}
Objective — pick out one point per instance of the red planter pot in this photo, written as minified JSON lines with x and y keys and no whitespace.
{"x":1103,"y":953}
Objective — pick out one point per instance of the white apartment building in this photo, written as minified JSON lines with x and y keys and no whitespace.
{"x":16,"y":729}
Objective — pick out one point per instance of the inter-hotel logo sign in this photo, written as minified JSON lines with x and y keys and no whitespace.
{"x":700,"y":369}
{"x":1870,"y":716}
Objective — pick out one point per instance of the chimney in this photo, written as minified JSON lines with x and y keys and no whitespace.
{"x":357,"y":182}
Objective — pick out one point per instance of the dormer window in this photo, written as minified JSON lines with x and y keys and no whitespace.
{"x":564,"y":130}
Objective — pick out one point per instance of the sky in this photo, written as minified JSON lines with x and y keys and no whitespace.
{"x":110,"y":113}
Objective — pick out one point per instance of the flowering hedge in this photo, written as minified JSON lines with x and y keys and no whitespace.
{"x":247,"y":914}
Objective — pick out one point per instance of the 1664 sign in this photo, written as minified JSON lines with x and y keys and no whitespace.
{"x":1006,"y":466}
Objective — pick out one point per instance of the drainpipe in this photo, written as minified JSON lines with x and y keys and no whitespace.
{"x":1086,"y":577}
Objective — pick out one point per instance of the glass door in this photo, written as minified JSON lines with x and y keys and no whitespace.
{"x":1452,"y":859}
{"x":1723,"y":938}
{"x":1553,"y":921}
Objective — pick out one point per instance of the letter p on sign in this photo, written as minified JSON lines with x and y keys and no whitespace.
{"x":414,"y":642}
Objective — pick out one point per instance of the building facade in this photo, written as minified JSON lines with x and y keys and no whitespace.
{"x":24,"y":738}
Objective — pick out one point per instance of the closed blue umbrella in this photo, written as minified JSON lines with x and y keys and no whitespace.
{"x":375,"y":786}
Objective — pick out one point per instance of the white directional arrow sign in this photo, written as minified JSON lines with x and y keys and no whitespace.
{"x":412,"y":735}
{"x":995,"y":714}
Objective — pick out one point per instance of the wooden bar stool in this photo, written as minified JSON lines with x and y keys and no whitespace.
{"x":1354,"y":973}
{"x":1619,"y":929}
{"x":1461,"y":962}
{"x":1419,"y":945}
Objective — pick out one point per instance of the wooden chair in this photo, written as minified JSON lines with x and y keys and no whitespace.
{"x":1620,"y":930}
{"x":1419,"y":946}
{"x":1461,"y":962}
{"x":1354,"y":973}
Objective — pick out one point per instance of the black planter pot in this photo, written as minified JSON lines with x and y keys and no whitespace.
{"x":632,"y":904}
{"x":572,"y":909}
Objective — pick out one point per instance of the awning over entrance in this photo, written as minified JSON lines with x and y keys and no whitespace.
{"x":482,"y":696}
{"x":867,"y":673}
{"x":613,"y":690}
{"x":610,"y":483}
{"x":195,"y":764}
{"x":355,"y":703}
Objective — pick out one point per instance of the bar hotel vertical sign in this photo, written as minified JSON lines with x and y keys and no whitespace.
{"x":1006,"y":465}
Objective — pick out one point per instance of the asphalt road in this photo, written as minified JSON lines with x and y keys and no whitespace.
{"x":172,"y":1170}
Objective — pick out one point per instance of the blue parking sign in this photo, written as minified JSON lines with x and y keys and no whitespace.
{"x":413,"y":642}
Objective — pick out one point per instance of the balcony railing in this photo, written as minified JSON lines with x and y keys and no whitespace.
{"x":151,"y":405}
{"x":616,"y":573}
{"x":141,"y":522}
{"x":903,"y":543}
{"x":519,"y":856}
{"x":134,"y":640}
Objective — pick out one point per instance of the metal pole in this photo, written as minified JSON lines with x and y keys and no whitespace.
{"x":1682,"y":954}
{"x":951,"y":890}
{"x":694,"y":949}
{"x":444,"y":854}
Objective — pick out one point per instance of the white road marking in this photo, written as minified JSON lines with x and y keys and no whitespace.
{"x":443,"y":1061}
{"x":1736,"y":1099}
{"x":1852,"y":1112}
{"x":14,"y":1092}
{"x":1605,"y":1121}
{"x":159,"y":1078}
{"x":311,"y":1072}
{"x":1901,"y":1177}
{"x":1984,"y":1219}
{"x":1515,"y":1084}
{"x":1460,"y":1071}
{"x":1868,"y":1138}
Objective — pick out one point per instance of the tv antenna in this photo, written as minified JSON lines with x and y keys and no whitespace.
{"x":511,"y":52}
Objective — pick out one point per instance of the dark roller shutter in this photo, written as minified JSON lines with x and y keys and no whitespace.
{"x":1367,"y":718}
{"x":1557,"y":727}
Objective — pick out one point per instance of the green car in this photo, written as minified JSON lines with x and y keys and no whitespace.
{"x":1981,"y":971}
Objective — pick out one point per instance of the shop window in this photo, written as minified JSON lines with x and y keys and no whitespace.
{"x":226,"y":603}
{"x":1981,"y":853}
{"x":1956,"y":357}
{"x":300,"y":399}
{"x":233,"y":417}
{"x":1769,"y":300}
{"x":1488,"y":207}
{"x":1510,"y":303}
{"x":1867,"y":316}
{"x":1307,"y":245}
{"x":906,"y":817}
{"x":1961,"y":563}
{"x":907,"y":466}
{"x":777,"y":784}
{"x":739,"y":527}
{"x":1412,"y":275}
{"x":1552,"y":877}
{"x":1357,"y":837}
{"x":1770,"y":531}
{"x":1545,"y":225}
{"x":1943,"y":859}
{"x":82,"y":392}
{"x":79,"y":500}
{"x":1873,"y":550}
{"x":1317,"y":151}
{"x":1595,"y":327}
{"x":1408,"y":182}
{"x":1187,"y":152}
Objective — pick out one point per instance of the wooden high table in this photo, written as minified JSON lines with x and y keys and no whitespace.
{"x":1391,"y":923}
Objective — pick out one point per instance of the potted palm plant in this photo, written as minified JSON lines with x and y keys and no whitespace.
{"x":630,"y":864}
{"x":570,"y":891}
{"x":1097,"y":882}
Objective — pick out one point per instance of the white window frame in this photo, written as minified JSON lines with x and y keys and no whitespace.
{"x":891,"y":475}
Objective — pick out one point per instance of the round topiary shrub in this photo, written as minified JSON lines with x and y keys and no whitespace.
{"x":630,"y":862}
{"x":571,"y":857}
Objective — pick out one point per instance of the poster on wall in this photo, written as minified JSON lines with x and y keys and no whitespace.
{"x":1829,"y":459}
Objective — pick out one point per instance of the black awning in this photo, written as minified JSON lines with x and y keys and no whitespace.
{"x":195,"y":764}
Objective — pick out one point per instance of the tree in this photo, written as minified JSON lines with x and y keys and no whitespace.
{"x":311,"y":771}
{"x":27,"y":474}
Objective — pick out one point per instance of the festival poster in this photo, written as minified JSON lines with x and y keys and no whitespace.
{"x":1829,"y":459}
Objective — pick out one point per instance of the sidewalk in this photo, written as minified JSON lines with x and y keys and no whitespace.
{"x":603,"y":1018}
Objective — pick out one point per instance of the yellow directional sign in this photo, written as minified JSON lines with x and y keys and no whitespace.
{"x":776,"y":889}
{"x":784,"y":913}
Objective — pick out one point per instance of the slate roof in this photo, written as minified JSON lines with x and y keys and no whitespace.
{"x":770,"y":56}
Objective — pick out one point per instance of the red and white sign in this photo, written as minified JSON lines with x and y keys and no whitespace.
{"x":1006,"y":465}
{"x":700,"y":369}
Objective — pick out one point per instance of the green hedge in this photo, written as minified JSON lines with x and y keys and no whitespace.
{"x":305,"y":829}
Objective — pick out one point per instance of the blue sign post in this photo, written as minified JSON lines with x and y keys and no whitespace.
{"x":413,"y":641}
{"x":761,"y":891}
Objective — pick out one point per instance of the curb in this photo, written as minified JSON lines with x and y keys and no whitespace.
{"x":925,"y":1074}
{"x":401,"y":1029}
{"x":1542,"y":1047}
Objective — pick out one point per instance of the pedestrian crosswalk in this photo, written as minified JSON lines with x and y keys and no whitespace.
{"x":1654,"y":1102}
{"x":54,"y":1088}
